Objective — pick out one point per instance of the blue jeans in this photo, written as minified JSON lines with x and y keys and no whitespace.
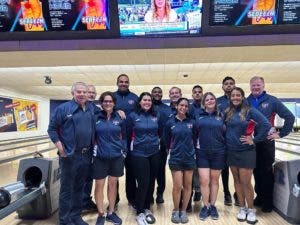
{"x":74,"y":171}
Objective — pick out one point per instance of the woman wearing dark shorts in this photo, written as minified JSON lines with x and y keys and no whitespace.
{"x":109,"y":160}
{"x":179,"y":135}
{"x":210,"y":154}
{"x":241,"y":120}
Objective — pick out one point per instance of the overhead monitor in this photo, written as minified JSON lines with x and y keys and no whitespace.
{"x":240,"y":17}
{"x":160,"y":17}
{"x":53,"y":15}
{"x":242,"y":12}
{"x":289,"y":11}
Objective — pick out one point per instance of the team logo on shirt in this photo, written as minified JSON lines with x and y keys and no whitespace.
{"x":265,"y":105}
{"x":200,"y":117}
{"x":218,"y":118}
{"x":130,"y":102}
{"x":154,"y":119}
{"x":69,"y":115}
{"x":116,"y":122}
{"x":189,"y":125}
{"x":172,"y":127}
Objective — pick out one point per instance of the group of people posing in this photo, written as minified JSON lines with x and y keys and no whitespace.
{"x":203,"y":137}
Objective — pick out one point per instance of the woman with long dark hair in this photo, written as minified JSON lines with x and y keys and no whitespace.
{"x":143,"y":126}
{"x":179,"y":136}
{"x":241,"y":122}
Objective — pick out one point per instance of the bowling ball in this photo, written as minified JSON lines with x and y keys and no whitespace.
{"x":4,"y":198}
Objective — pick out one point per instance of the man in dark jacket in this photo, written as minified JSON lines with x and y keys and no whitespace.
{"x":269,"y":106}
{"x":72,"y":129}
{"x":228,"y":84}
{"x":126,"y":101}
{"x":165,"y":112}
{"x":88,"y":203}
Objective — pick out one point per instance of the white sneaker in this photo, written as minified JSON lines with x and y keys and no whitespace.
{"x":149,"y":216}
{"x":242,"y":215}
{"x":251,"y":216}
{"x":141,"y":219}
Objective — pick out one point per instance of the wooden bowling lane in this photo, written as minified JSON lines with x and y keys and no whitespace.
{"x":7,"y":156}
{"x":22,"y":140}
{"x":161,"y":212}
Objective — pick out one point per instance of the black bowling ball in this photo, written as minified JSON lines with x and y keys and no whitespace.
{"x":4,"y":198}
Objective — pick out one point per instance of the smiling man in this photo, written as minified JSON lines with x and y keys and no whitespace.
{"x":269,"y":106}
{"x":126,"y":101}
{"x":71,"y":129}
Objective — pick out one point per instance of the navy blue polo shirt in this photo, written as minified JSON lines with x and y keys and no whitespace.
{"x":83,"y":128}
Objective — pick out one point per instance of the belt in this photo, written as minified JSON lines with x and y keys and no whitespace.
{"x":82,"y":150}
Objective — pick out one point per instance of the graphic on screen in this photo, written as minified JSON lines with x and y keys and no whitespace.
{"x":25,"y":15}
{"x":243,"y":12}
{"x":78,"y":14}
{"x":53,"y":15}
{"x":289,"y":11}
{"x":159,"y":17}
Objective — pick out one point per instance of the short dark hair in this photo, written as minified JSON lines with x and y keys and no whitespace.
{"x":107,"y":93}
{"x":228,"y":78}
{"x":156,"y":88}
{"x":122,"y":75}
{"x":197,"y":86}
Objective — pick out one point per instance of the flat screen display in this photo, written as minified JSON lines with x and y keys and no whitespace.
{"x":289,"y":11}
{"x":159,"y":17}
{"x":242,"y":12}
{"x":53,"y":15}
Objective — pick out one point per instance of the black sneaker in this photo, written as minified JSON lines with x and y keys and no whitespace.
{"x":227,"y":199}
{"x":197,"y":196}
{"x":266,"y":207}
{"x":159,"y":199}
{"x":236,"y":199}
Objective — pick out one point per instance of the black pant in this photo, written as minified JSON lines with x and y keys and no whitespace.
{"x":87,"y":191}
{"x":225,"y":180}
{"x":130,"y":183}
{"x":161,"y":175}
{"x":145,"y":171}
{"x":74,"y":171}
{"x":263,"y":173}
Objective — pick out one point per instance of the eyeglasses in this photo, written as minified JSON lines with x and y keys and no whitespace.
{"x":107,"y":101}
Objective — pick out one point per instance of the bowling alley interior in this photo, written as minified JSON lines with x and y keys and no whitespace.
{"x":38,"y":69}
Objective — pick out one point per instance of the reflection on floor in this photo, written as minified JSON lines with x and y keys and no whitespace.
{"x":162,"y":212}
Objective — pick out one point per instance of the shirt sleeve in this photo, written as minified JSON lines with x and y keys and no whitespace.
{"x":54,"y":125}
{"x":288,"y":117}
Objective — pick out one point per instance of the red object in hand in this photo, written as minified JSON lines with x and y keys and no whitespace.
{"x":250,"y":127}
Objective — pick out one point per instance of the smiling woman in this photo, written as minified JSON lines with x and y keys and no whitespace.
{"x":143,"y":127}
